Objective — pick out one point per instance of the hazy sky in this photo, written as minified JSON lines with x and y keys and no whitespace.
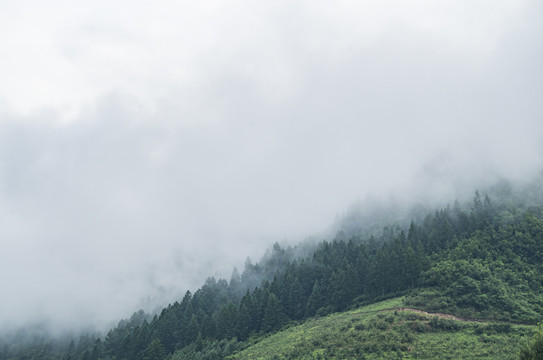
{"x":145,"y":145}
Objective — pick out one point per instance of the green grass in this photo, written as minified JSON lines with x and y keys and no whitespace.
{"x":373,"y":332}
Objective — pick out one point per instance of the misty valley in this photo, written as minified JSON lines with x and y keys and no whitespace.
{"x":461,"y":281}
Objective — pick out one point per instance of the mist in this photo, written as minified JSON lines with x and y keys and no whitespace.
{"x":147,"y":146}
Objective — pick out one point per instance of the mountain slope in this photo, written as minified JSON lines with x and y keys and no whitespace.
{"x":478,"y":260}
{"x":383,"y":330}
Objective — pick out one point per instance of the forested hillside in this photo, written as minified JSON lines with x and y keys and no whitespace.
{"x":482,"y":260}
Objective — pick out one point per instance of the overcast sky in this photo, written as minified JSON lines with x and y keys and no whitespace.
{"x":145,"y":145}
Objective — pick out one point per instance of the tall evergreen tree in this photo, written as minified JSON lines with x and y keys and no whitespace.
{"x":227,"y":321}
{"x":193,"y":329}
{"x":274,"y":316}
{"x":315,"y":301}
{"x":155,"y":351}
{"x":296,"y":300}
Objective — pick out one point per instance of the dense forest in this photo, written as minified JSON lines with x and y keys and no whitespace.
{"x":482,"y":260}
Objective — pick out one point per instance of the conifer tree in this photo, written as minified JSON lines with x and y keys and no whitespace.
{"x":193,"y":329}
{"x":208,"y":327}
{"x":155,"y":351}
{"x":274,"y":316}
{"x":296,"y":300}
{"x":227,"y":321}
{"x":246,"y":321}
{"x":315,"y":301}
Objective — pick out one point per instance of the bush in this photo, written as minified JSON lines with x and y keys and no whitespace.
{"x":534,"y":349}
{"x":360,"y":326}
{"x":443,"y":324}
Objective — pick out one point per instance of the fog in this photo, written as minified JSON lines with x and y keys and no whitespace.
{"x":145,"y":146}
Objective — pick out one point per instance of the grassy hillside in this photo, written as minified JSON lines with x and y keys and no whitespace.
{"x":385,"y":331}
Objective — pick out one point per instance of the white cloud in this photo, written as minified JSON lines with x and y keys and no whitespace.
{"x":147,"y":145}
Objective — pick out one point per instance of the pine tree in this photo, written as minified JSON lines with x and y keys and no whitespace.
{"x":412,"y":267}
{"x":199,"y":344}
{"x":97,"y":350}
{"x":227,"y":321}
{"x":274,"y":316}
{"x":339,"y":289}
{"x":169,"y":329}
{"x":235,"y":281}
{"x":315,"y":301}
{"x":155,"y":351}
{"x":193,"y":329}
{"x":208,"y":327}
{"x":296,"y":301}
{"x":246,"y":316}
{"x":259,"y":301}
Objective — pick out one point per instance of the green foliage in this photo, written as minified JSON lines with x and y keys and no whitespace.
{"x":534,"y":349}
{"x":274,"y":317}
{"x":375,"y":333}
{"x":209,"y":350}
{"x":155,"y":351}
